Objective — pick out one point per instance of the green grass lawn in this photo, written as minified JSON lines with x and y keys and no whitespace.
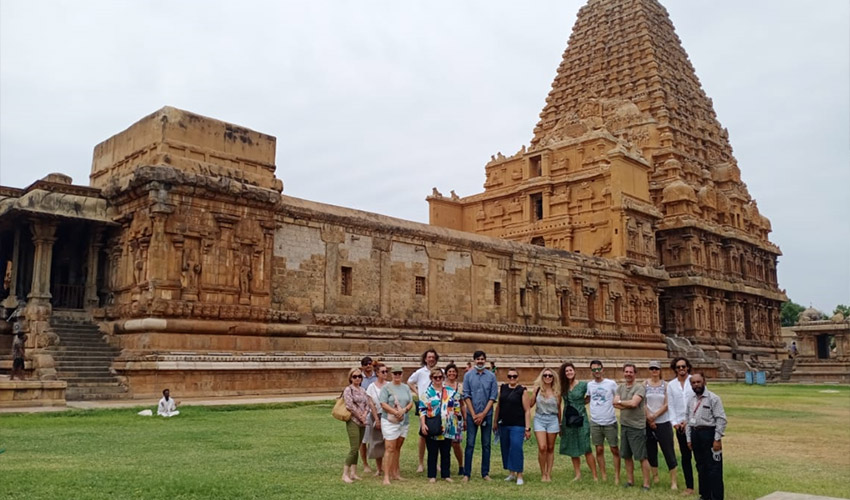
{"x":792,"y":438}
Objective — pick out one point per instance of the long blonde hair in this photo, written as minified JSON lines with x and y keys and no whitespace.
{"x":556,"y":385}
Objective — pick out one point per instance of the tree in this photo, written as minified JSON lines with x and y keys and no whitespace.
{"x":844,"y":310}
{"x":790,"y":313}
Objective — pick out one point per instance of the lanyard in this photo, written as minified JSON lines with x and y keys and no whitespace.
{"x":696,"y":407}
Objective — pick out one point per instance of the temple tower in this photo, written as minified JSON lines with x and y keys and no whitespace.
{"x":629,"y":161}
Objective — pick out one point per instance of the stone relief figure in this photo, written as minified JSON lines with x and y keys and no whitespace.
{"x":138,"y":262}
{"x":191,"y":269}
{"x":245,"y":273}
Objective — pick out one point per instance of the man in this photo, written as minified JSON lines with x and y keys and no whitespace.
{"x":603,"y":421}
{"x":680,"y":393}
{"x":419,"y":382}
{"x":631,"y":401}
{"x":706,"y":425}
{"x":167,"y":406}
{"x":480,"y":392}
{"x":369,"y":377}
{"x":18,"y":355}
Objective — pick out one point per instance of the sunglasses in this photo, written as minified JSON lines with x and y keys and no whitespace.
{"x":596,"y":370}
{"x":513,"y":376}
{"x":440,"y":377}
{"x":548,"y":375}
{"x":652,"y":368}
{"x":357,"y":376}
{"x":383,"y":372}
{"x":681,"y":367}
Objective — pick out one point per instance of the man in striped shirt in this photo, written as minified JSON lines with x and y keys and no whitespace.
{"x":706,"y":425}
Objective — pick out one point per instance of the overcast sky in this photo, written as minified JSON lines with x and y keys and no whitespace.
{"x":373,"y":103}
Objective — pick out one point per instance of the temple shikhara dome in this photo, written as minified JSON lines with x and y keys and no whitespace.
{"x":621,"y":231}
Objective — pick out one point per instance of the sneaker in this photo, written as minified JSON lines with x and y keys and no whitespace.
{"x":520,"y":482}
{"x":510,"y":477}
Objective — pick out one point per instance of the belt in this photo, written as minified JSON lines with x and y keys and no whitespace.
{"x":703,"y":427}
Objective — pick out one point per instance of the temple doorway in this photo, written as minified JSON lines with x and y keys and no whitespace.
{"x":69,"y":267}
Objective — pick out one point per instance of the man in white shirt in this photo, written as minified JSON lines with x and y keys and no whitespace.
{"x":167,"y":406}
{"x":603,"y":420}
{"x":419,"y":382}
{"x":680,"y":392}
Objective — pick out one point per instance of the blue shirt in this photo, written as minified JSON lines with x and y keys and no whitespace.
{"x":480,"y":387}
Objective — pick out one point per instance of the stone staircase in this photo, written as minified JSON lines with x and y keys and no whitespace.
{"x":786,"y":370}
{"x":84,"y":359}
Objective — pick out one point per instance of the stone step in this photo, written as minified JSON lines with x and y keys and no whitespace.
{"x":75,"y":349}
{"x":77,"y":363}
{"x":83,"y":343}
{"x":97,"y":380}
{"x":89,"y":372}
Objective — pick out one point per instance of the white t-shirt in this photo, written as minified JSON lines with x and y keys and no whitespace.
{"x":421,"y":378}
{"x":374,"y":392}
{"x":602,"y":401}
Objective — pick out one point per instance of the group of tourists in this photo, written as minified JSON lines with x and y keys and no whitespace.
{"x":654,"y":414}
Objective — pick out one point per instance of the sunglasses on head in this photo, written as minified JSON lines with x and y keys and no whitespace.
{"x":513,"y":376}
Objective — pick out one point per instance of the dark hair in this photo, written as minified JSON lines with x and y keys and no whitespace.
{"x":366,"y":361}
{"x":163,"y":391}
{"x":626,"y":365}
{"x":596,"y":362}
{"x":565,"y":384}
{"x":478,"y":354}
{"x":425,"y":355}
{"x":450,"y":366}
{"x":676,"y":360}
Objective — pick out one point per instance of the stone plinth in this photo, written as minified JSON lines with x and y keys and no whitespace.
{"x":22,"y":393}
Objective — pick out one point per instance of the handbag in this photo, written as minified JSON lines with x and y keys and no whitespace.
{"x":572,"y":418}
{"x":340,"y":412}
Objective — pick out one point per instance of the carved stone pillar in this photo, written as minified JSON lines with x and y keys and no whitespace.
{"x":43,"y":237}
{"x":95,"y":245}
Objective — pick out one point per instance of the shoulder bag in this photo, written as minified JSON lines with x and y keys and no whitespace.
{"x":340,"y":411}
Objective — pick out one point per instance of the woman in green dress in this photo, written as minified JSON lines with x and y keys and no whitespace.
{"x":575,"y":440}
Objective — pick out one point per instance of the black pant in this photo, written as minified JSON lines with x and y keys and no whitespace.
{"x":686,"y":458}
{"x":444,"y":447}
{"x":662,"y":436}
{"x":710,"y":470}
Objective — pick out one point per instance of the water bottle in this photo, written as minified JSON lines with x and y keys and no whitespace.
{"x":717,"y":455}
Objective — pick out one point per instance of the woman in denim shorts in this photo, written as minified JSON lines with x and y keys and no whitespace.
{"x":547,"y":420}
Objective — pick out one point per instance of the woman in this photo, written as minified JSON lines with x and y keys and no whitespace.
{"x":396,"y":400}
{"x":453,"y":383}
{"x":359,"y":404}
{"x":659,"y":430}
{"x":575,"y":440}
{"x":445,"y":404}
{"x":547,"y":420}
{"x":375,"y":439}
{"x":511,"y":421}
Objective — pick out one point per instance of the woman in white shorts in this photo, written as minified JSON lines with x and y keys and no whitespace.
{"x":547,"y":419}
{"x":396,"y":401}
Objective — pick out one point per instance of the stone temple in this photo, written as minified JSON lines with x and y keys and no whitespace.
{"x":623,"y":232}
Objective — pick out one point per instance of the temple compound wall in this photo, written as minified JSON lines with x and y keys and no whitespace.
{"x":210,"y":281}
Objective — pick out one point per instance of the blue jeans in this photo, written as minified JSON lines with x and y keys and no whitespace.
{"x":511,"y":439}
{"x":486,"y":436}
